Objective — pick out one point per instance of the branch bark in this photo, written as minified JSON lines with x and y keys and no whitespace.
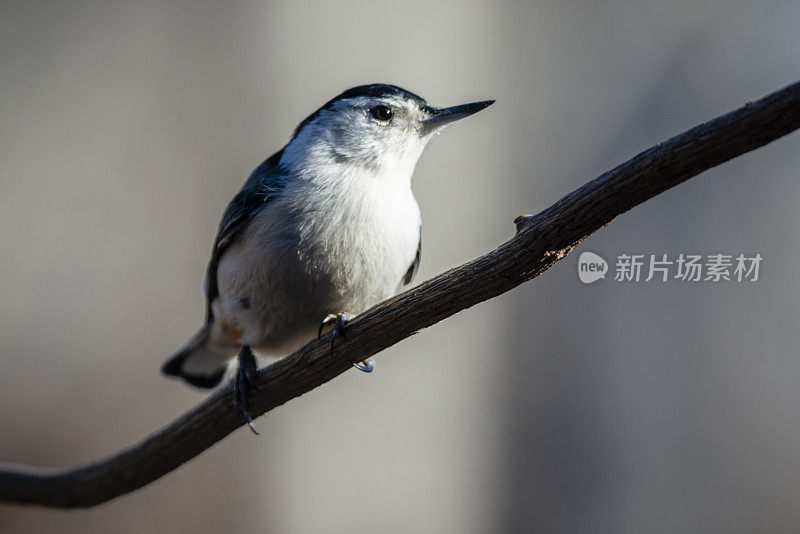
{"x":540,"y":241}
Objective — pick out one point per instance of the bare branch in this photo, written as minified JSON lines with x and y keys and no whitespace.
{"x":540,"y":241}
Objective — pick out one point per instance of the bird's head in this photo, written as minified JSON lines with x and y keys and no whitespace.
{"x":381,"y":128}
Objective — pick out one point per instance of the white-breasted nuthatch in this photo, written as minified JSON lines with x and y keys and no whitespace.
{"x":327,"y":225}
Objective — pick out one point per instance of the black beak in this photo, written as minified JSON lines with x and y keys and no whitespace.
{"x":440,"y":117}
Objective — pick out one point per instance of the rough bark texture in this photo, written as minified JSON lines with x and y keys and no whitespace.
{"x":540,"y":241}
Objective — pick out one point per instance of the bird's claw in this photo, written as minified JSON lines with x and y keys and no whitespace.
{"x":244,"y":381}
{"x":327,"y":321}
{"x":367,"y":365}
{"x":339,"y":321}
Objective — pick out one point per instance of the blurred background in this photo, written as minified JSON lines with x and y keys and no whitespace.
{"x":558,"y":407}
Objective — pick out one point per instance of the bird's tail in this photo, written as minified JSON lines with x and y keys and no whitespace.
{"x":197,"y":362}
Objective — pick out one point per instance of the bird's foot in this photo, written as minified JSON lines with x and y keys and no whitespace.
{"x":244,"y":381}
{"x":339,"y":322}
{"x":367,"y":365}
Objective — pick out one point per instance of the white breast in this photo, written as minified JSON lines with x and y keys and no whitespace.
{"x":361,"y":233}
{"x":320,"y":247}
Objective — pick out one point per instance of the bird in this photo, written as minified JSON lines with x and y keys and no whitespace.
{"x":323,"y":229}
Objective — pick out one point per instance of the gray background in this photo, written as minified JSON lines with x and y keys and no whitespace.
{"x":559,"y":407}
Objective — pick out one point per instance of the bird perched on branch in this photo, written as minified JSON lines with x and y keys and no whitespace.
{"x":325,"y":227}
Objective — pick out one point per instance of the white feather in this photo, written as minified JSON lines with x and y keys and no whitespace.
{"x":339,"y":237}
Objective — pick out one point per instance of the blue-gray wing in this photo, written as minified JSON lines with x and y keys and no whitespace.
{"x":264,"y":183}
{"x":414,"y":267}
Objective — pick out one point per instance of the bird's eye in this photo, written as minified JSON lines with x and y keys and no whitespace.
{"x":381,"y":113}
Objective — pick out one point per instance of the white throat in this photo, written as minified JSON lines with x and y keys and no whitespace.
{"x":320,"y":151}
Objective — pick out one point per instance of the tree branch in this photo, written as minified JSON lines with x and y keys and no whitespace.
{"x":540,"y":241}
